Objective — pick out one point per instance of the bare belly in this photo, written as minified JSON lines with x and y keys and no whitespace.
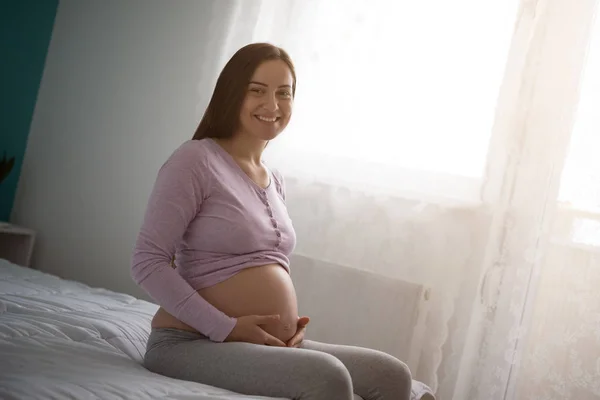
{"x":264,"y":290}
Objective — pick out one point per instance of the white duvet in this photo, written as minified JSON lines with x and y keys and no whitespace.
{"x":61,"y":339}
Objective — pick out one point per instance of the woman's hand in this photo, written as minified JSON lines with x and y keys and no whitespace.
{"x":296,"y":340}
{"x":248,"y":329}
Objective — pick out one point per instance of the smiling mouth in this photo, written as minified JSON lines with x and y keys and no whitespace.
{"x":267,"y":119}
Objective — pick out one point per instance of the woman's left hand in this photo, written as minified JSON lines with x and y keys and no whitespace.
{"x":296,"y":340}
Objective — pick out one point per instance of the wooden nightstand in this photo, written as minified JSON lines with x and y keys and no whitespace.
{"x":16,"y":244}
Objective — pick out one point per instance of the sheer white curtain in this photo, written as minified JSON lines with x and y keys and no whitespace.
{"x":428,"y":144}
{"x":560,"y":350}
{"x":534,"y":122}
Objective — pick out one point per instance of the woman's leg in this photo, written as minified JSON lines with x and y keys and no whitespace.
{"x":248,"y":368}
{"x":375,"y":375}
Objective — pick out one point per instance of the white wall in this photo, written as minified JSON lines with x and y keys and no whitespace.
{"x":120,"y":91}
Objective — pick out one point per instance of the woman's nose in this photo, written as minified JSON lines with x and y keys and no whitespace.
{"x":271,"y":103}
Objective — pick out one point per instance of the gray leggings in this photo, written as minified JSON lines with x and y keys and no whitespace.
{"x":316,"y":371}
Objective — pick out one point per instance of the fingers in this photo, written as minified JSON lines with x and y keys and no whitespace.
{"x":273,"y":341}
{"x":265,"y":319}
{"x":292,"y":341}
{"x":297,"y":339}
{"x":299,"y":336}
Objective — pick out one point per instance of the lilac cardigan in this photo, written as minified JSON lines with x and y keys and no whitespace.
{"x":208,"y":213}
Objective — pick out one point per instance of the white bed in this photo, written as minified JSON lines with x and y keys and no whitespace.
{"x":61,"y":339}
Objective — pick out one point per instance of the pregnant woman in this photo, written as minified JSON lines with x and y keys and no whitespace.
{"x":213,"y":253}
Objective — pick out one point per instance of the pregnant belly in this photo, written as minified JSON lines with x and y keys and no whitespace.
{"x":264,"y":290}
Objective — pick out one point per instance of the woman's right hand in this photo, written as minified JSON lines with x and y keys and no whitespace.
{"x":248,"y":329}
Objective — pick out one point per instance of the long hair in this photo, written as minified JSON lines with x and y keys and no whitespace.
{"x":222,"y":116}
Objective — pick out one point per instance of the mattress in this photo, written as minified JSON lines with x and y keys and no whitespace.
{"x":61,"y":339}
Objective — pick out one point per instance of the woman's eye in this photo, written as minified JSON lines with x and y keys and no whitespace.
{"x":256,"y":90}
{"x":286,"y":94}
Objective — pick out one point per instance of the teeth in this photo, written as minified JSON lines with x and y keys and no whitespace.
{"x":266,"y":119}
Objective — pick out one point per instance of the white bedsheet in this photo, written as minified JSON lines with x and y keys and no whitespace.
{"x":61,"y":339}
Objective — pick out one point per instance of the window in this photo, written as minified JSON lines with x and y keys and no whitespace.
{"x":395,"y":94}
{"x":580,"y":184}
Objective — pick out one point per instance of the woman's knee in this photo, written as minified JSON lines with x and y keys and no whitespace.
{"x":329,"y":378}
{"x":394,"y":377}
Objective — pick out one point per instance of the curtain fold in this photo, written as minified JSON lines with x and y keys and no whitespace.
{"x":539,"y":108}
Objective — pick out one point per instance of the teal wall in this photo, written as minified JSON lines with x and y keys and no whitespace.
{"x":25,"y":31}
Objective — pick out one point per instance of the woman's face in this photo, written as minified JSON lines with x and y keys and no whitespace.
{"x":267,"y":107}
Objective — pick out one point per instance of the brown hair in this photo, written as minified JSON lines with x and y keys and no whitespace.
{"x":222,"y":116}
